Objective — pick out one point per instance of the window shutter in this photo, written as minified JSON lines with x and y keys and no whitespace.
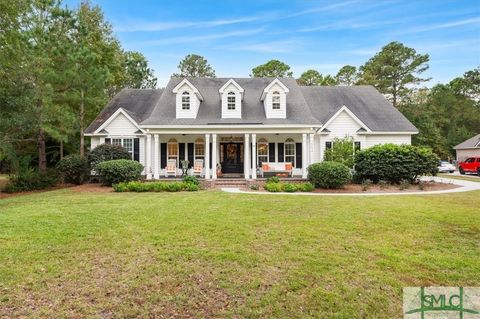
{"x":271,"y":152}
{"x":163,"y":155}
{"x":108,"y":141}
{"x":136,"y":149}
{"x":281,"y":147}
{"x":191,"y":154}
{"x":298,"y":155}
{"x":181,"y":153}
{"x":210,"y":154}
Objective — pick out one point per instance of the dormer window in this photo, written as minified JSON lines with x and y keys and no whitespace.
{"x":276,"y":100}
{"x":231,"y":101}
{"x":186,"y":100}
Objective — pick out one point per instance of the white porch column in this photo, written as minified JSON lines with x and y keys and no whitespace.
{"x":156,"y":157}
{"x":304,"y":155}
{"x":207,"y":156}
{"x":246,"y":155}
{"x":148,"y":156}
{"x":311,"y":147}
{"x":214,"y":156}
{"x":254,"y":156}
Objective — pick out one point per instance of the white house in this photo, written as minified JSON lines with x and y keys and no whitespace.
{"x":468,"y":148}
{"x":245,"y":125}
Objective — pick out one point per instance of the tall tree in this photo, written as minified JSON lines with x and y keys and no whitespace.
{"x":194,"y":65}
{"x":328,"y":80}
{"x":310,"y":77}
{"x":272,"y":69}
{"x":394,"y":69}
{"x":138,"y":74}
{"x":347,"y":75}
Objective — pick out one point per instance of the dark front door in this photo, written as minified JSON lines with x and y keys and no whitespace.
{"x":231,"y":156}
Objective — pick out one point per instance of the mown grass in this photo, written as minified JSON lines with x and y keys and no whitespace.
{"x":471,"y":178}
{"x":212,"y":254}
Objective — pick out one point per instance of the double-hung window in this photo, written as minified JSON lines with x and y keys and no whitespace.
{"x":199,"y":149}
{"x":172,"y":150}
{"x":231,"y":101}
{"x":289,"y":151}
{"x":262,"y":151}
{"x":276,"y":100}
{"x":126,"y":143}
{"x":186,"y":100}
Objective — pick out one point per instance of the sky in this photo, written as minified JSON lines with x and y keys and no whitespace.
{"x":235,"y":36}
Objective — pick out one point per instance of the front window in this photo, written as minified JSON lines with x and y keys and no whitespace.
{"x":262,"y":151}
{"x":231,"y":101}
{"x":289,"y":151}
{"x":126,"y":143}
{"x":357,"y":146}
{"x":172,"y":150}
{"x":276,"y":100}
{"x":185,"y":100}
{"x":199,"y":149}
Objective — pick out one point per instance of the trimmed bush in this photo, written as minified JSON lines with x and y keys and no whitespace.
{"x":273,"y":179}
{"x":289,"y":187}
{"x":31,"y":179}
{"x":136,"y":186}
{"x":329,"y":174}
{"x":107,"y":152}
{"x":74,"y":169}
{"x":273,"y":187}
{"x":116,"y":171}
{"x":191,"y":179}
{"x":394,"y":163}
{"x":306,"y":187}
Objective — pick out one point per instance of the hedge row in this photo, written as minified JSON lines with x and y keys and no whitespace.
{"x":138,"y":187}
{"x":275,"y":187}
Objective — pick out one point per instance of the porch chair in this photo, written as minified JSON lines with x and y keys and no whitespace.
{"x":198,"y":168}
{"x":171,"y":168}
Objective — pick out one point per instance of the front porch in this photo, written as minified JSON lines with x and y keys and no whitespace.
{"x":228,"y":155}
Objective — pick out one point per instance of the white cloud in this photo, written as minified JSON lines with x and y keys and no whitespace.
{"x":447,"y":25}
{"x":281,"y":46}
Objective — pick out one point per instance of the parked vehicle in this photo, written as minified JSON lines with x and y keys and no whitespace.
{"x":470,"y":165}
{"x":444,"y":167}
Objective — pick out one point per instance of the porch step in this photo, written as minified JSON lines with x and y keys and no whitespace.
{"x":237,"y":183}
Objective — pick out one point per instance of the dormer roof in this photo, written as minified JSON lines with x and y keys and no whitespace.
{"x":231,"y":82}
{"x":192,"y":87}
{"x":268,"y":87}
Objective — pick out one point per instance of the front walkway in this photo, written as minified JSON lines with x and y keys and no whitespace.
{"x":465,"y":186}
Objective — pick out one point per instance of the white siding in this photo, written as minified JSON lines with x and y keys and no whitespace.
{"x":194,"y":104}
{"x":372,"y":140}
{"x":232,"y":114}
{"x":267,"y":103}
{"x":120,"y":126}
{"x":94,"y":142}
{"x":343,"y":125}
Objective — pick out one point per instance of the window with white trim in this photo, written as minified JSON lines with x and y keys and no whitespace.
{"x":172,"y":149}
{"x":276,"y":100}
{"x":262,"y":151}
{"x":231,"y":101}
{"x":289,"y":151}
{"x":186,"y":100}
{"x":126,"y":143}
{"x":199,"y":149}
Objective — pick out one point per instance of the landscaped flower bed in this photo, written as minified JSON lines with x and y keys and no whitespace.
{"x":136,"y":186}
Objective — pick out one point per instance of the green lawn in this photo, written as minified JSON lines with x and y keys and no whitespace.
{"x":212,"y":254}
{"x":472,"y":178}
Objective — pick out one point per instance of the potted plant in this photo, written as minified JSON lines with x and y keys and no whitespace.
{"x":219,"y":170}
{"x":185,"y":164}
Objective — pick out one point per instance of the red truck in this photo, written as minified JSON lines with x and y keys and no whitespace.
{"x":470,"y":165}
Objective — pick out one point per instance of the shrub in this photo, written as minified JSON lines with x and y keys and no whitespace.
{"x":116,"y":171}
{"x":107,"y":152}
{"x":306,"y":187}
{"x":74,"y":169}
{"x":273,"y":187}
{"x":329,"y":174}
{"x":174,"y":186}
{"x":191,"y":187}
{"x":136,"y":186}
{"x":191,"y":179}
{"x":289,"y":188}
{"x":254,"y":187}
{"x":342,"y":151}
{"x":273,"y":179}
{"x":394,"y":163}
{"x":30,"y":179}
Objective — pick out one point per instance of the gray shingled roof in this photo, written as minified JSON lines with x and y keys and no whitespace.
{"x":210,"y":111}
{"x":305,"y":105}
{"x":138,"y":103}
{"x":369,"y":105}
{"x":473,"y":142}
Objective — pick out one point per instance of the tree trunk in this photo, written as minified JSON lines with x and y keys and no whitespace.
{"x":81,"y":120}
{"x":42,"y":154}
{"x":61,"y":150}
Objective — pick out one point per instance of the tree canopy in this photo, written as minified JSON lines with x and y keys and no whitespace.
{"x":194,"y":65}
{"x":394,"y":69}
{"x":272,"y":69}
{"x":347,"y":75}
